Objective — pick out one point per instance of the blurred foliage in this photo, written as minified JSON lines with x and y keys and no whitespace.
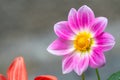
{"x":115,"y":76}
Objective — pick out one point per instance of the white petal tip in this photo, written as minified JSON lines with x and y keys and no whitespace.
{"x":79,"y":74}
{"x":65,"y":72}
{"x":85,"y":7}
{"x":49,"y":50}
{"x":103,"y":19}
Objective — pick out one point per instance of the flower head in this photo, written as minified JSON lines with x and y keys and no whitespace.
{"x":81,"y":40}
{"x":17,"y":71}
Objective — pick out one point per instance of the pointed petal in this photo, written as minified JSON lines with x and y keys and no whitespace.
{"x":72,"y":20}
{"x":2,"y":77}
{"x":60,"y":47}
{"x":99,"y":25}
{"x":97,"y":59}
{"x":81,"y":63}
{"x":62,"y":30}
{"x":67,"y":63}
{"x":105,"y":41}
{"x":85,"y":16}
{"x":17,"y":70}
{"x":46,"y":77}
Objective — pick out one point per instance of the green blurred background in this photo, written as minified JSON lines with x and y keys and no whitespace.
{"x":26,"y":29}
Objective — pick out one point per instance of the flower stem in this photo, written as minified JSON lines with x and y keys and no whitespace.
{"x":97,"y":73}
{"x":83,"y":76}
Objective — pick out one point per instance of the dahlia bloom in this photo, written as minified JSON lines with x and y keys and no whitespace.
{"x":17,"y":71}
{"x":81,"y":41}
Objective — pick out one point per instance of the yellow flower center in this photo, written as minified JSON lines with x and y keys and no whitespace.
{"x":83,"y":41}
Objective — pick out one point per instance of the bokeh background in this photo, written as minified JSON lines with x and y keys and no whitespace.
{"x":26,"y":29}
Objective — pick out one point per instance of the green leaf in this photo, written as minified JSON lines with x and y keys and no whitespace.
{"x":115,"y":76}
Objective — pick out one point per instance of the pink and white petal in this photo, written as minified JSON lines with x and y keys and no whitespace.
{"x":105,"y":41}
{"x":81,"y":63}
{"x":99,"y":25}
{"x":72,"y":20}
{"x":62,"y":30}
{"x":67,"y":63}
{"x":60,"y":47}
{"x":97,"y":59}
{"x":2,"y":77}
{"x":85,"y":16}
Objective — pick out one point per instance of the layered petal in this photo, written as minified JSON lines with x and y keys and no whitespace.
{"x":85,"y":16}
{"x":97,"y":59}
{"x":17,"y":70}
{"x":73,"y":21}
{"x":60,"y":47}
{"x":67,"y":63}
{"x":46,"y":77}
{"x":63,"y":30}
{"x":2,"y":77}
{"x":99,"y":25}
{"x":105,"y":41}
{"x":81,"y":63}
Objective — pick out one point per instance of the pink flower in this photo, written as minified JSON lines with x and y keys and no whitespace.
{"x":81,"y":41}
{"x":17,"y":71}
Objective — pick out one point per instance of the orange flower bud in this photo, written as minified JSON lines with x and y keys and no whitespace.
{"x":17,"y":70}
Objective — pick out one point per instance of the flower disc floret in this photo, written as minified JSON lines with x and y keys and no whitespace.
{"x":83,"y":41}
